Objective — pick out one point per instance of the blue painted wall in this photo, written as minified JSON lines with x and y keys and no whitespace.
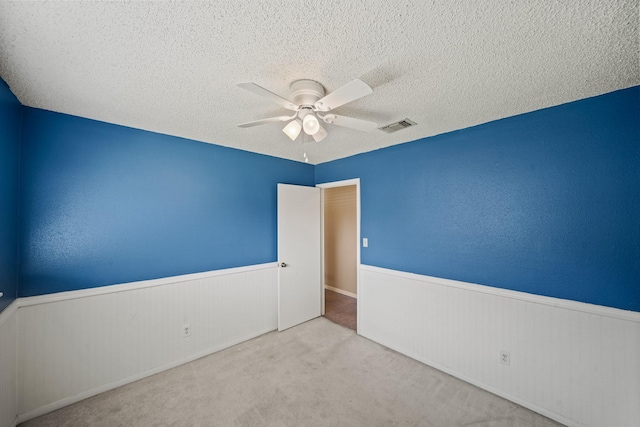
{"x":546,"y":202}
{"x":105,"y":204}
{"x":10,"y":114}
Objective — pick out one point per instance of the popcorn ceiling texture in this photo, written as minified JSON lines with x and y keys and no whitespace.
{"x":171,"y":67}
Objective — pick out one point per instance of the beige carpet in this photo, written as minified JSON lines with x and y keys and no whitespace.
{"x":316,"y":374}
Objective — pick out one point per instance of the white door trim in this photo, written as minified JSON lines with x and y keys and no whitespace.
{"x":344,"y":183}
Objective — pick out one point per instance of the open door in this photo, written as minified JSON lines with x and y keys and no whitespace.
{"x":299,"y":244}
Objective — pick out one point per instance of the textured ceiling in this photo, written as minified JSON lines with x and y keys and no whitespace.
{"x":447,"y":65}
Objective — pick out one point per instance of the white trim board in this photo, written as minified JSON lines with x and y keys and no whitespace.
{"x":124,"y":287}
{"x":561,"y":359}
{"x":340,"y":291}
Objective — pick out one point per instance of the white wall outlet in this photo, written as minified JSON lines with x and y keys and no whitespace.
{"x":365,"y":242}
{"x":186,"y":330}
{"x":505,"y":358}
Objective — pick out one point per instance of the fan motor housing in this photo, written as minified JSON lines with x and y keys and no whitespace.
{"x":306,"y":92}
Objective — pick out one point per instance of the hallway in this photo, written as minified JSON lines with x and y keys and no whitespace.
{"x":341,"y":309}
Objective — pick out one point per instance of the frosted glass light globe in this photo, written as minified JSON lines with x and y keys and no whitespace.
{"x":292,"y":129}
{"x":310,"y":124}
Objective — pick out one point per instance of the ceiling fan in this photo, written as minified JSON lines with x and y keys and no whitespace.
{"x":310,"y":104}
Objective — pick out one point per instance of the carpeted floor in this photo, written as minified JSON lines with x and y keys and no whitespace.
{"x":340,"y":309}
{"x":315,"y":374}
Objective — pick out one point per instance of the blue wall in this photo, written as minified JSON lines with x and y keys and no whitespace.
{"x":105,"y":204}
{"x":10,"y":114}
{"x":546,"y":202}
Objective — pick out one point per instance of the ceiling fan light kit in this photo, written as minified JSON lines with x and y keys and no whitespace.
{"x":310,"y":124}
{"x":308,"y":100}
{"x":293,"y":129}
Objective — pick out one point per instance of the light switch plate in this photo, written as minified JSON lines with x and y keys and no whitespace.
{"x":365,"y":242}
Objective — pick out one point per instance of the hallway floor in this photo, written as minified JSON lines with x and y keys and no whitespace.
{"x":340,"y":309}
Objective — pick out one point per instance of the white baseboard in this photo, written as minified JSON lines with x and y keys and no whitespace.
{"x":341,"y":291}
{"x":103,"y":338}
{"x":561,"y":365}
{"x":101,"y":389}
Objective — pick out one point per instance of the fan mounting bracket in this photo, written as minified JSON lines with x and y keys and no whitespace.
{"x":306,"y":92}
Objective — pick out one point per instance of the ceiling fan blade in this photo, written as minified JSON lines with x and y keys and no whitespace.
{"x":263,"y":121}
{"x":349,"y":122}
{"x":259,"y":90}
{"x":353,"y":90}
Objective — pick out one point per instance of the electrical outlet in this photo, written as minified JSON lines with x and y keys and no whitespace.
{"x":186,"y":330}
{"x":505,"y":358}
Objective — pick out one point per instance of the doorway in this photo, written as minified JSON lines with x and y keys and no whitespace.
{"x":340,"y":235}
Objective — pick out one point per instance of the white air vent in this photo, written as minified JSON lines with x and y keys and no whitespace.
{"x":394,"y":127}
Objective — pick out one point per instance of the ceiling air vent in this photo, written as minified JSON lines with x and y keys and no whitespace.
{"x":394,"y":127}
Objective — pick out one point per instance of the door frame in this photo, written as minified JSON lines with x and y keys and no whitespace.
{"x":343,"y":183}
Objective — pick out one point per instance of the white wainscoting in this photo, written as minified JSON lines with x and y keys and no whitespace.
{"x":73,"y":345}
{"x":574,"y":362}
{"x":8,"y":351}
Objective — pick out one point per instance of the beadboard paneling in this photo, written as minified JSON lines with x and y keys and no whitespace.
{"x":8,"y":347}
{"x":574,"y":362}
{"x":78,"y":344}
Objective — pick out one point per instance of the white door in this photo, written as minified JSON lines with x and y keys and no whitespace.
{"x":299,"y":274}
